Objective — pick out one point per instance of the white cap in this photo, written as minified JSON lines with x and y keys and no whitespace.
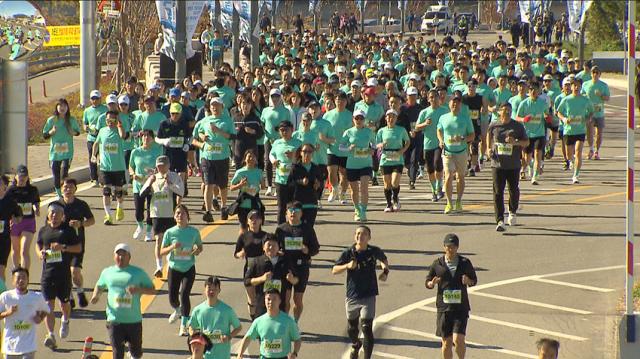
{"x":364,"y":68}
{"x":388,"y":66}
{"x":95,"y":93}
{"x":391,"y":112}
{"x":547,"y":77}
{"x":412,"y":91}
{"x":331,"y":56}
{"x":275,"y":92}
{"x":217,"y":100}
{"x":564,"y":53}
{"x":196,"y":82}
{"x":112,"y":99}
{"x":372,"y":82}
{"x":566,"y":81}
{"x":122,"y":246}
{"x":357,"y":113}
{"x":356,"y":83}
{"x":413,"y":76}
{"x":123,"y":99}
{"x":341,"y":69}
{"x":273,"y":72}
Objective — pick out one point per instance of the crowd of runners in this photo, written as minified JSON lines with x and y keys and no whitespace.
{"x":320,"y":120}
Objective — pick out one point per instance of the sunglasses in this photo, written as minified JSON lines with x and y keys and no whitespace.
{"x":307,"y":151}
{"x":293,"y":210}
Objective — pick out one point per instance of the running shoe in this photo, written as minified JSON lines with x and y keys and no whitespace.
{"x":82,"y":300}
{"x":207,"y":217}
{"x":459,"y":206}
{"x":332,"y":196}
{"x":158,"y":273}
{"x":448,"y":208}
{"x":412,"y":186}
{"x":434,"y":197}
{"x":575,"y":180}
{"x":50,"y":341}
{"x":356,"y":215}
{"x":64,"y":329}
{"x":421,"y":173}
{"x":500,"y":227}
{"x":137,"y":233}
{"x":319,"y":204}
{"x":590,"y":154}
{"x":565,"y":165}
{"x":148,"y":237}
{"x":343,"y":198}
{"x":224,"y":213}
{"x":472,"y":172}
{"x":596,"y":155}
{"x":374,"y":181}
{"x":355,"y":350}
{"x":511,"y":220}
{"x":388,"y":209}
{"x":440,"y":195}
{"x":534,"y":180}
{"x":396,"y":206}
{"x":183,"y":332}
{"x":107,"y":220}
{"x":215,"y":204}
{"x":571,"y":165}
{"x":174,"y":316}
{"x":119,"y":214}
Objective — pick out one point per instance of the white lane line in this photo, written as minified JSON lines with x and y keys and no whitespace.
{"x":574,"y":285}
{"x":492,"y":348}
{"x":387,"y":355}
{"x":516,"y":326}
{"x":616,"y":107}
{"x":531,"y":302}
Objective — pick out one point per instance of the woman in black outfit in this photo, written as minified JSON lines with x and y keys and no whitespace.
{"x":306,"y":178}
{"x":248,"y":127}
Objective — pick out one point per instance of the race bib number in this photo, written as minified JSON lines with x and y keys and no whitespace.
{"x":453,"y":296}
{"x":273,"y":346}
{"x":597,"y":108}
{"x":21,"y":326}
{"x":215,"y":148}
{"x":181,"y":254}
{"x":475,"y":114}
{"x":453,"y":141}
{"x":362,"y":152}
{"x":273,"y":284}
{"x":176,"y":142}
{"x":252,"y":190}
{"x":111,"y":148}
{"x":61,"y":148}
{"x":535,"y":118}
{"x":284,"y":169}
{"x":27,"y":208}
{"x":215,"y":336}
{"x":293,"y":243}
{"x":52,"y":256}
{"x":123,"y":301}
{"x":504,"y":149}
{"x":575,"y":119}
{"x":161,"y":197}
{"x":1,"y":226}
{"x":393,"y":155}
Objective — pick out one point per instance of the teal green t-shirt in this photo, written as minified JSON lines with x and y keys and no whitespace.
{"x":501,"y":96}
{"x":373,"y":111}
{"x":127,"y":122}
{"x":276,"y":334}
{"x":309,"y":137}
{"x":537,"y":109}
{"x":215,"y":321}
{"x":143,"y":163}
{"x":151,"y":121}
{"x":61,"y":143}
{"x":227,"y":95}
{"x":515,"y":103}
{"x":111,"y":150}
{"x":431,"y":131}
{"x":556,"y":104}
{"x":322,"y":126}
{"x":3,"y":286}
{"x":360,"y":156}
{"x":393,"y":138}
{"x":123,"y":307}
{"x":594,"y":91}
{"x":217,"y":146}
{"x":340,"y":122}
{"x":254,"y":177}
{"x":90,"y":118}
{"x":181,"y":259}
{"x":453,"y":126}
{"x":278,"y":150}
{"x":578,"y":109}
{"x":271,"y":117}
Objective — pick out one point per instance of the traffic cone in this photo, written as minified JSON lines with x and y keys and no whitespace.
{"x":86,"y":348}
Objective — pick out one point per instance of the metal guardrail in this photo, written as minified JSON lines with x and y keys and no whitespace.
{"x":49,"y":59}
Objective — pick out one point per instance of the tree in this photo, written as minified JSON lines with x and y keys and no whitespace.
{"x":602,"y":29}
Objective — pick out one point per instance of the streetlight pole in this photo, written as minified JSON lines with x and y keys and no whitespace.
{"x":181,"y":43}
{"x":87,"y":50}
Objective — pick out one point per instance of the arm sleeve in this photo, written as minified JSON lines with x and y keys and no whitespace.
{"x":47,"y":127}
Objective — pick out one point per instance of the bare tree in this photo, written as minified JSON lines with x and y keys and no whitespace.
{"x":286,"y":11}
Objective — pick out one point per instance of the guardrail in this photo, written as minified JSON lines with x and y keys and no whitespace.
{"x":45,"y":60}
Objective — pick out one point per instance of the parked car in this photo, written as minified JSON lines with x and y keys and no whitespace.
{"x":437,"y":16}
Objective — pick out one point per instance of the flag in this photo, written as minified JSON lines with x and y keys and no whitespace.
{"x":167,"y":16}
{"x":500,"y":6}
{"x":312,"y":5}
{"x":528,"y":9}
{"x":577,"y":10}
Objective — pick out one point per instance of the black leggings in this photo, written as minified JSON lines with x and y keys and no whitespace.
{"x":268,"y":166}
{"x":285,"y":195}
{"x":139,"y":204}
{"x":413,"y":157}
{"x":367,"y":332}
{"x":500,"y":179}
{"x":181,"y":283}
{"x":309,"y":216}
{"x":60,"y":170}
{"x":93,"y":167}
{"x":433,"y":160}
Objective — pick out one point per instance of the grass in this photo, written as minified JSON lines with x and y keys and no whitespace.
{"x":38,"y":113}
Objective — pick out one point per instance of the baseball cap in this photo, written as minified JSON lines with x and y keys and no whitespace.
{"x":162,"y":160}
{"x":357,"y":113}
{"x":388,"y":66}
{"x":451,"y":239}
{"x":370,"y":91}
{"x":356,"y":83}
{"x":414,"y":77}
{"x":149,"y":98}
{"x":198,"y":82}
{"x":313,"y":104}
{"x":122,"y":246}
{"x":285,"y":124}
{"x":275,"y":92}
{"x":412,"y":91}
{"x":184,"y":94}
{"x":174,"y":92}
{"x":112,"y":99}
{"x":95,"y":94}
{"x":566,"y":81}
{"x":548,"y":77}
{"x":55,"y":206}
{"x":333,"y":80}
{"x":391,"y":112}
{"x":22,"y":170}
{"x":123,"y":99}
{"x":564,"y":53}
{"x":175,"y":108}
{"x":216,"y":100}
{"x":457,"y":96}
{"x":254,"y":212}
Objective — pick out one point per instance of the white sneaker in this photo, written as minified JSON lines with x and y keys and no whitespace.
{"x":332,"y":196}
{"x":512,"y":219}
{"x":174,"y":316}
{"x":534,"y":180}
{"x":269,"y":191}
{"x":420,"y":173}
{"x":500,"y":227}
{"x":319,"y":204}
{"x":343,"y":198}
{"x":137,"y":233}
{"x":575,"y":180}
{"x":148,"y":237}
{"x":396,"y":206}
{"x":388,"y":209}
{"x":183,"y":331}
{"x":64,"y":329}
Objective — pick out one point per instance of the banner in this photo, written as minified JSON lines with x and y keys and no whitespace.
{"x":243,"y":7}
{"x":577,"y":10}
{"x":312,"y":5}
{"x":167,"y":15}
{"x":528,"y":8}
{"x":62,"y":36}
{"x":500,"y":6}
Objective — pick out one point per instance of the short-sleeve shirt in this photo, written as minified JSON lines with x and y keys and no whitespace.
{"x":276,"y":334}
{"x":430,"y":132}
{"x":323,"y":127}
{"x":254,"y":177}
{"x":26,"y":197}
{"x":340,"y":122}
{"x":394,"y":138}
{"x":217,"y":146}
{"x":61,"y":143}
{"x":452,"y":126}
{"x":285,"y":165}
{"x":360,"y":156}
{"x":123,"y":307}
{"x":593,"y":90}
{"x":373,"y":112}
{"x":19,"y":334}
{"x":577,"y":109}
{"x":78,"y":210}
{"x":8,"y":209}
{"x":214,"y":322}
{"x":90,"y":119}
{"x":181,"y":259}
{"x":56,"y":263}
{"x":143,"y":163}
{"x":111,"y":150}
{"x":538,"y":109}
{"x":362,"y":281}
{"x":507,"y":156}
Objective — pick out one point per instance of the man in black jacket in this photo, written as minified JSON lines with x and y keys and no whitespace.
{"x":452,"y":273}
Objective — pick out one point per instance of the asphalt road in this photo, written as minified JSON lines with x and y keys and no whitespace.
{"x":558,"y":273}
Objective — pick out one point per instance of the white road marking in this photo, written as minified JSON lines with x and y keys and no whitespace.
{"x":387,"y":355}
{"x":574,"y":285}
{"x":530,"y":302}
{"x":478,"y":345}
{"x":516,"y":326}
{"x":616,"y":107}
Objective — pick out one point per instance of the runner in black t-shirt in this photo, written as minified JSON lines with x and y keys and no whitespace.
{"x":27,"y":197}
{"x":78,"y":216}
{"x":10,"y":214}
{"x":360,"y":262}
{"x":55,"y":246}
{"x":249,"y":248}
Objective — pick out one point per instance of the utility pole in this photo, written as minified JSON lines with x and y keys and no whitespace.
{"x":403,"y":15}
{"x":274,"y":5}
{"x":581,"y":44}
{"x":181,"y":43}
{"x":87,"y":50}
{"x":255,"y":47}
{"x":218,"y":14}
{"x":235,"y":29}
{"x":362,"y":17}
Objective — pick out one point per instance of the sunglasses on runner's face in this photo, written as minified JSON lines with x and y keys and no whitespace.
{"x":293,"y":210}
{"x":307,"y":151}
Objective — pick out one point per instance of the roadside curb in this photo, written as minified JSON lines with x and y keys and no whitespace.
{"x":45,"y":184}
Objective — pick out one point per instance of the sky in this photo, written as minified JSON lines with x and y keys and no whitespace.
{"x":9,"y":8}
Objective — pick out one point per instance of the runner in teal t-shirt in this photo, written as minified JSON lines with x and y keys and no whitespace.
{"x":428,"y":120}
{"x":340,"y":120}
{"x":181,"y":244}
{"x":598,"y":92}
{"x":533,"y":112}
{"x":281,"y":157}
{"x":247,"y":180}
{"x":124,"y":284}
{"x":141,"y":165}
{"x":276,"y":330}
{"x":90,"y":123}
{"x":392,"y":141}
{"x":216,"y":320}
